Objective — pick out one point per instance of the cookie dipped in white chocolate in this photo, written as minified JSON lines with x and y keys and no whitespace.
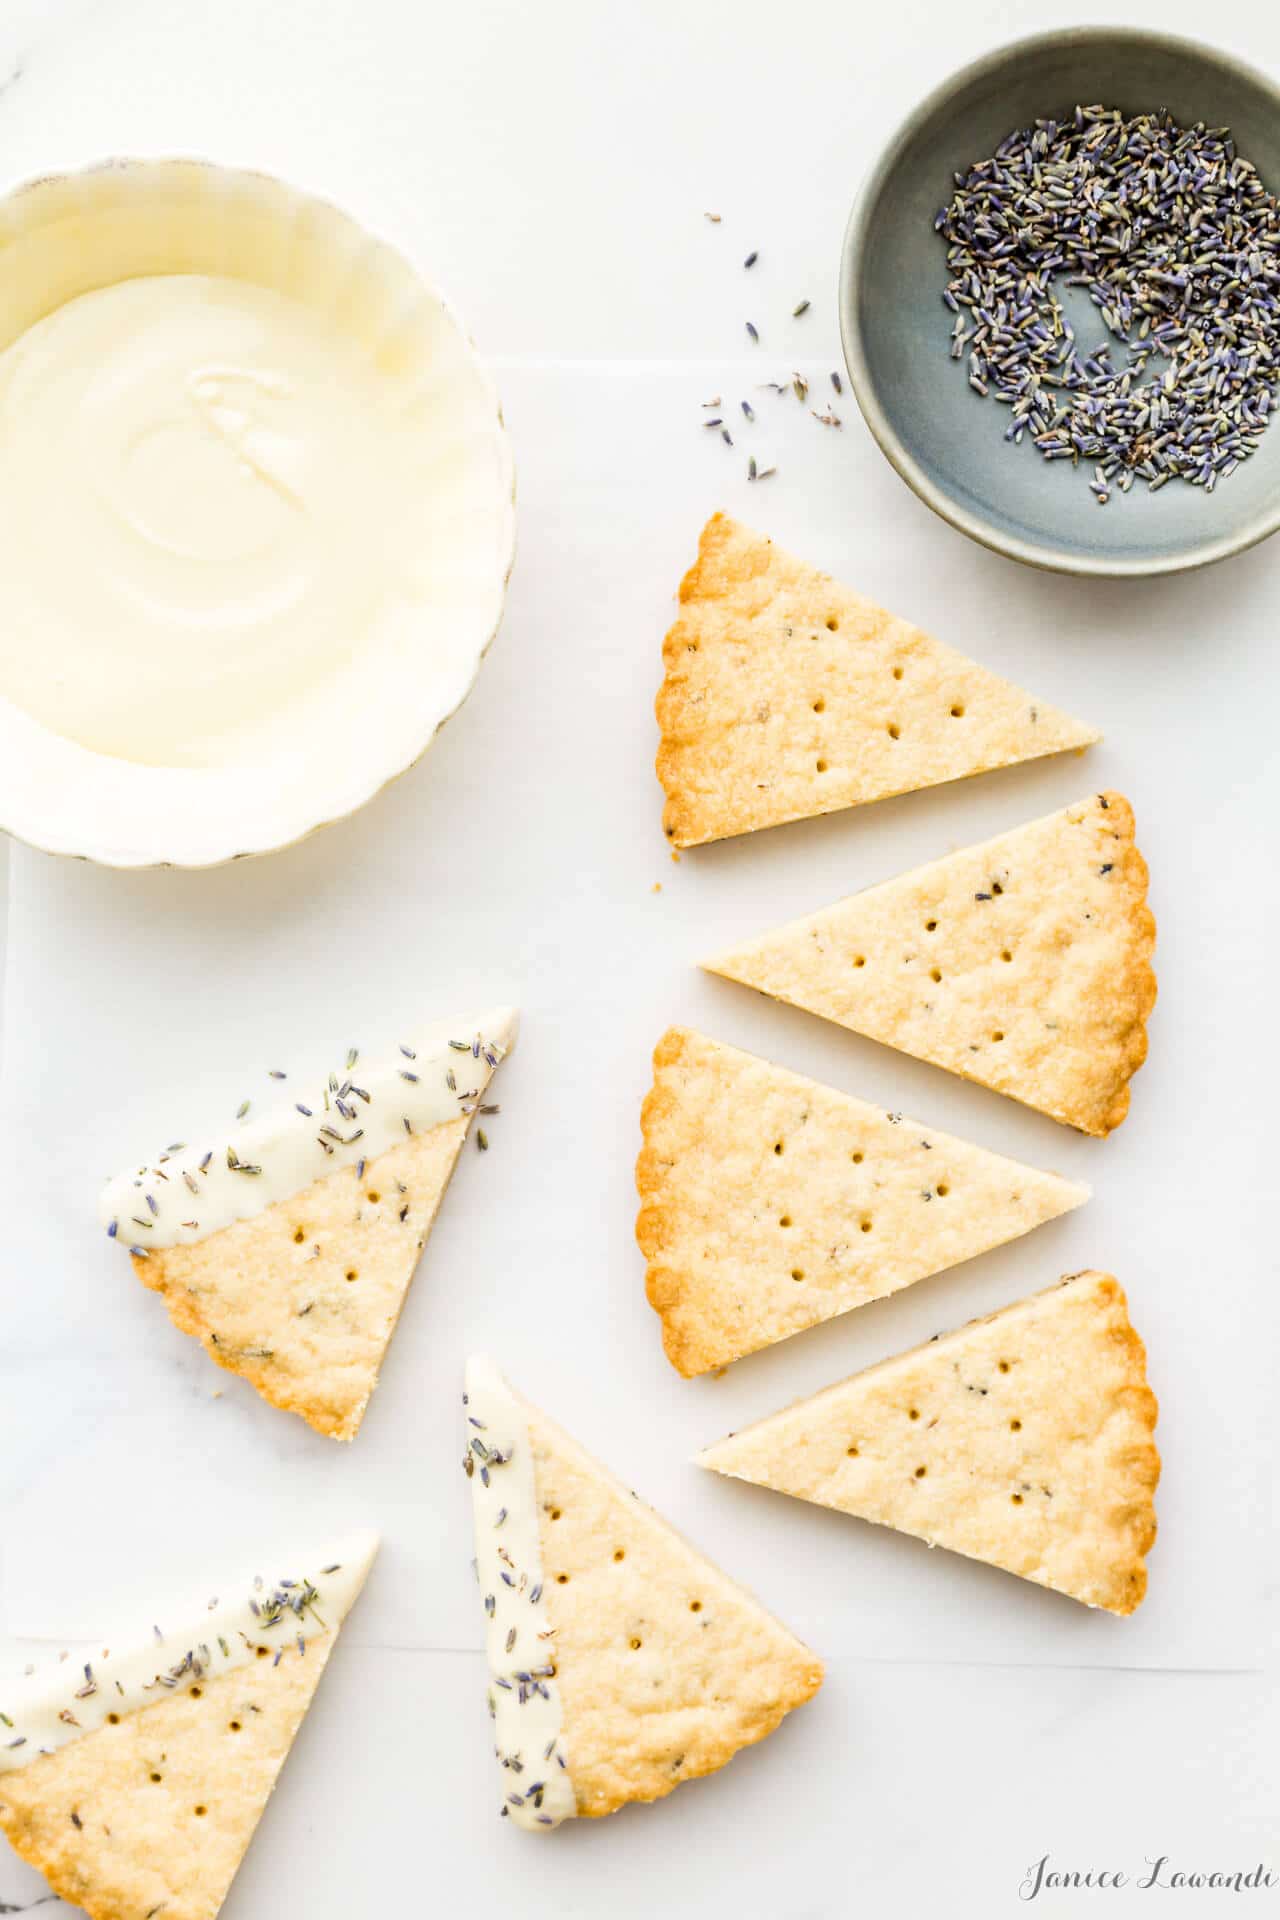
{"x":288,"y":1249}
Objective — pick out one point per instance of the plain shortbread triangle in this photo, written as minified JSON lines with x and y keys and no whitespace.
{"x":1024,"y":1440}
{"x":148,"y":1816}
{"x":302,"y":1299}
{"x":771,"y":1202}
{"x":666,"y":1668}
{"x":1023,"y":963}
{"x":787,"y":694}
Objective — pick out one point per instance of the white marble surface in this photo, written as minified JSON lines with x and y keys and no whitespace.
{"x":550,"y":169}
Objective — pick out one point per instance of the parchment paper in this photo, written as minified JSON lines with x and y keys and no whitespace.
{"x":523,"y":859}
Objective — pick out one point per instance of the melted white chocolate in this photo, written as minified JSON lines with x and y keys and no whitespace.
{"x":524,"y":1697}
{"x":50,"y":1708}
{"x":206,"y":508}
{"x":186,"y":1195}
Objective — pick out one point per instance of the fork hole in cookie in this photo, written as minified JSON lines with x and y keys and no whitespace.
{"x":832,"y":623}
{"x":856,"y":1158}
{"x":619,"y":1553}
{"x":1017,"y":1499}
{"x":859,"y":959}
{"x":935,"y":974}
{"x":299,"y":1236}
{"x":635,"y":1644}
{"x":777,"y":1146}
{"x":1015,"y":1426}
{"x":785,"y":1220}
{"x":695,"y":1606}
{"x":897,"y":673}
{"x":233,"y":1726}
{"x":852,"y":1452}
{"x":957,"y":712}
{"x":942,"y":1189}
{"x":931,"y":926}
{"x":920,"y":1472}
{"x":797,"y":1273}
{"x":895,"y":731}
{"x":865,"y":1223}
{"x":351,"y":1274}
{"x":1006,"y":955}
{"x":819,"y":705}
{"x":821,"y":766}
{"x":372,"y":1197}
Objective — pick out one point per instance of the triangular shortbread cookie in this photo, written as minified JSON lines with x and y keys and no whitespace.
{"x":622,"y":1662}
{"x":134,"y":1781}
{"x":1023,"y":963}
{"x":786,"y":695}
{"x":771,"y":1202}
{"x":1024,"y":1439}
{"x":288,"y":1249}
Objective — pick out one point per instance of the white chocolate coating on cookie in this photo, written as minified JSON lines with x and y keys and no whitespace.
{"x":48,"y":1709}
{"x":524,"y":1697}
{"x":188,"y":1194}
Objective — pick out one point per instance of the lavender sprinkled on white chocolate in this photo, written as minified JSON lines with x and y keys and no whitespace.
{"x":524,"y":1698}
{"x":282,"y":1151}
{"x":48,"y":1709}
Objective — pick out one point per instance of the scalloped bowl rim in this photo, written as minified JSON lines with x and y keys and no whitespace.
{"x":365,"y":785}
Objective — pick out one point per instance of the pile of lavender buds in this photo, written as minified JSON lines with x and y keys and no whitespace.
{"x":1178,"y":244}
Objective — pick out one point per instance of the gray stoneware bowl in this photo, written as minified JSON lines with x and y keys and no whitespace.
{"x":948,"y":443}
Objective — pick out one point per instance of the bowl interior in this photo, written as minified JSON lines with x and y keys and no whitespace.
{"x":949,"y":442}
{"x":319,"y":756}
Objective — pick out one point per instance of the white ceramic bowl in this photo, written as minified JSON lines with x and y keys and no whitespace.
{"x":132,"y":218}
